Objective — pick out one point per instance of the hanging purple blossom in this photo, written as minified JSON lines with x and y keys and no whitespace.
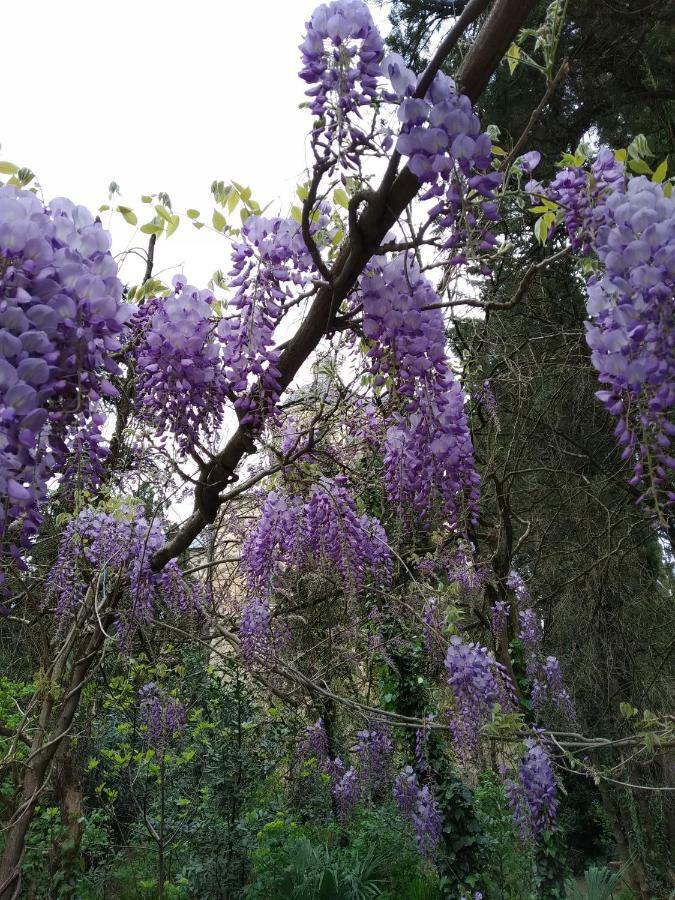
{"x":428,"y":452}
{"x":313,"y":744}
{"x":479,"y":684}
{"x":105,"y":549}
{"x":515,"y":582}
{"x":341,"y":57}
{"x":346,"y":791}
{"x":533,"y":797}
{"x":254,"y":631}
{"x":163,"y":716}
{"x":417,"y":805}
{"x":545,"y":675}
{"x":61,"y":316}
{"x":325,"y":529}
{"x":270,"y":263}
{"x":180,"y":386}
{"x":629,"y":224}
{"x":499,"y":616}
{"x":374,"y":751}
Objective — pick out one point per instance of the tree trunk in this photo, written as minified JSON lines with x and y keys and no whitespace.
{"x":44,"y":749}
{"x":71,"y":804}
{"x":636,"y":874}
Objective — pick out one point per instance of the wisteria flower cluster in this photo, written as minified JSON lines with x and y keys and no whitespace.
{"x":418,"y":806}
{"x":345,"y":788}
{"x":112,"y":551}
{"x":374,"y":751}
{"x":428,"y":452}
{"x":313,"y":744}
{"x":163,"y":716}
{"x":544,"y":673}
{"x":629,"y":224}
{"x":270,"y":262}
{"x":582,"y":195}
{"x":255,"y":631}
{"x":499,"y":617}
{"x":292,"y":535}
{"x":632,"y":330}
{"x":341,"y":56}
{"x":447,"y":150}
{"x":479,"y":685}
{"x":438,"y":131}
{"x":61,"y":317}
{"x":180,"y":385}
{"x":533,"y":797}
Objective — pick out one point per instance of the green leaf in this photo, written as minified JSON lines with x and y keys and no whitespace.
{"x":163,"y":212}
{"x":660,"y":171}
{"x":146,"y":198}
{"x":542,"y":225}
{"x":152,"y":228}
{"x":219,"y":221}
{"x":193,"y":213}
{"x":639,"y":148}
{"x":513,"y":57}
{"x":173,"y":225}
{"x":341,"y":198}
{"x":244,"y":213}
{"x":639,"y":166}
{"x":232,"y":201}
{"x":620,"y":155}
{"x":8,"y":168}
{"x":198,"y":225}
{"x":104,"y":208}
{"x":128,"y":215}
{"x":498,"y":151}
{"x":627,"y":711}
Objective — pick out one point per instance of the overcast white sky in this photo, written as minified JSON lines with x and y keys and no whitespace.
{"x":159,"y":95}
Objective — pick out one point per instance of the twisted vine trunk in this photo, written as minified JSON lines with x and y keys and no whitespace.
{"x":69,"y":674}
{"x":382,"y":212}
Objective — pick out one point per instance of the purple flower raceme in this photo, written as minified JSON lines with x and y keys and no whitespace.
{"x":345,"y":788}
{"x":533,"y":796}
{"x":446,"y":149}
{"x":275,"y":543}
{"x":434,"y":621}
{"x":374,"y":751}
{"x":428,"y":452}
{"x":544,"y":673}
{"x":341,"y":56}
{"x":255,"y":631}
{"x":417,"y":806}
{"x":163,"y":716}
{"x":180,"y":385}
{"x":118,"y":546}
{"x":270,"y":263}
{"x":499,"y":617}
{"x":61,"y":317}
{"x":518,"y":586}
{"x":629,"y":224}
{"x":479,"y":685}
{"x":313,"y":744}
{"x":295,"y":536}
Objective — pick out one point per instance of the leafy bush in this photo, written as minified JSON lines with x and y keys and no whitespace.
{"x":374,"y":857}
